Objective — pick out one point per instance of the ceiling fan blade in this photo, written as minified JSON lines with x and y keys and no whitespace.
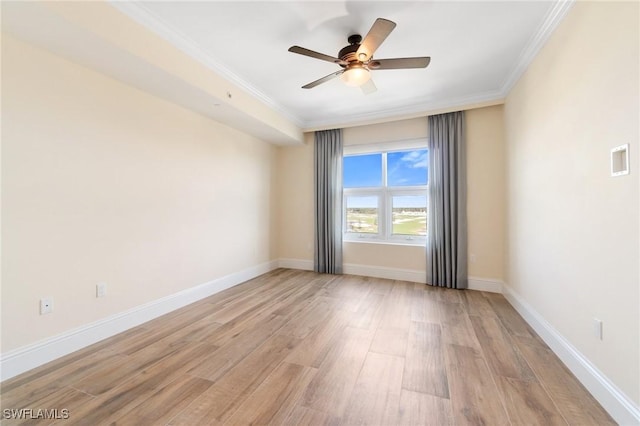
{"x":377,"y":34}
{"x":306,"y":52}
{"x":399,"y":63}
{"x":369,"y":87}
{"x":322,"y":80}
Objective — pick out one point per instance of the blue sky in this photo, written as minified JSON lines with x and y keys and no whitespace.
{"x":362,"y":171}
{"x":403,"y":168}
{"x":407,"y":168}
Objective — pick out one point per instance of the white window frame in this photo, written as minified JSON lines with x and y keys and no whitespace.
{"x":384,"y":194}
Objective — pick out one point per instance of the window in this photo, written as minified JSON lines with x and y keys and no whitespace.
{"x":385,"y":195}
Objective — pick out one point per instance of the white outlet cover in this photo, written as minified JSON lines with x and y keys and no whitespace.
{"x":597,"y":328}
{"x":620,"y":160}
{"x":101,"y":289}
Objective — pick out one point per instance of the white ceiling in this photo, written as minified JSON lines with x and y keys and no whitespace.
{"x":478,"y":49}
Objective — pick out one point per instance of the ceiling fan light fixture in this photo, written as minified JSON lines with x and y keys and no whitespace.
{"x":355,"y":76}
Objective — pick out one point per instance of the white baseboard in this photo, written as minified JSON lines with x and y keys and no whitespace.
{"x":491,"y":285}
{"x":25,"y":358}
{"x":618,"y":405}
{"x":364,"y":270}
{"x":475,"y":283}
{"x":303,"y":264}
{"x":388,"y":273}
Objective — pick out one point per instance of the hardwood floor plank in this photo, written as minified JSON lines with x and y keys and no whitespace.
{"x":55,"y":366}
{"x":573,"y":401}
{"x":348,"y":287}
{"x":376,"y":397}
{"x":257,"y":365}
{"x":473,"y":392}
{"x":230,"y":331}
{"x":424,"y":368}
{"x":369,"y":313}
{"x":390,"y":341}
{"x":502,"y":355}
{"x":347,"y":292}
{"x":418,"y":409}
{"x":299,"y":302}
{"x":456,"y":325}
{"x":303,"y":416}
{"x":260,"y":297}
{"x":314,"y":348}
{"x":303,"y":324}
{"x":477,"y":304}
{"x":166,"y":402}
{"x":274,"y":400}
{"x":237,"y":349}
{"x":178,"y":323}
{"x":55,"y":380}
{"x":232,"y":389}
{"x":129,"y":394}
{"x":380,"y":286}
{"x":449,"y":295}
{"x":273,"y":278}
{"x":112,"y":375}
{"x":397,"y":308}
{"x":510,"y":319}
{"x":331,"y":388}
{"x":528,"y":404}
{"x":393,"y":329}
{"x":194,"y":332}
{"x":425,"y":306}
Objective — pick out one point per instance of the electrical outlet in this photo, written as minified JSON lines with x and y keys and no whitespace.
{"x":597,"y":328}
{"x":101,"y":289}
{"x":46,"y":305}
{"x":472,"y":258}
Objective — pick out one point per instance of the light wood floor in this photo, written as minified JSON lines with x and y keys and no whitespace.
{"x":295,"y":347}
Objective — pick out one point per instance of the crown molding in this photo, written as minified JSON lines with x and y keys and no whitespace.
{"x":143,"y":16}
{"x":536,"y":42}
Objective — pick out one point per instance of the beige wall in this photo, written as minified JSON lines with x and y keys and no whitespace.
{"x":486,"y":188}
{"x":104,"y":183}
{"x":572,"y":229}
{"x":295,"y":202}
{"x":485,"y":203}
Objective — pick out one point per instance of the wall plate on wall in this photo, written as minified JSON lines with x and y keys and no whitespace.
{"x":620,"y":160}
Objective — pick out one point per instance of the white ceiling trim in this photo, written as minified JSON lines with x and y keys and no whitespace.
{"x":143,"y":16}
{"x":551,"y":21}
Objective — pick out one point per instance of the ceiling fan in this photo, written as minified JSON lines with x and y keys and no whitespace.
{"x":357,"y":60}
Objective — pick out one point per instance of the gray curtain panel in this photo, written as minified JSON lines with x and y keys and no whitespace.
{"x":447,"y":215}
{"x":328,"y":201}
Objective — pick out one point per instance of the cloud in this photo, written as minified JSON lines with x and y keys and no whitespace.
{"x":416,"y":159}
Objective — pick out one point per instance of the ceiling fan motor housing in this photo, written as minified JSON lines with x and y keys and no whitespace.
{"x":348,"y":53}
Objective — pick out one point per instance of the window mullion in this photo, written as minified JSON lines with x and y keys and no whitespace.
{"x":383,"y":199}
